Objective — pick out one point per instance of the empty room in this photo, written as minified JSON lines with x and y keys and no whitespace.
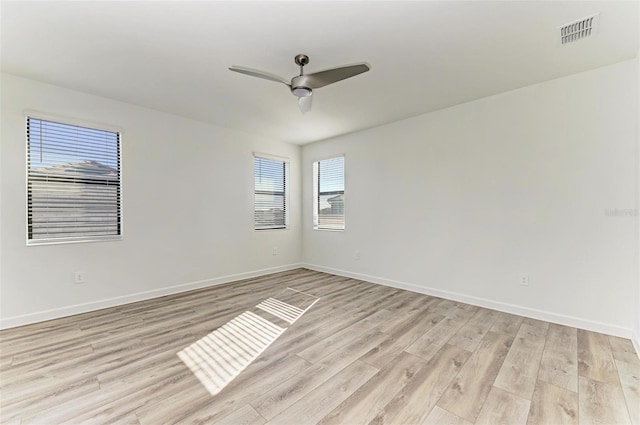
{"x":298,"y":213}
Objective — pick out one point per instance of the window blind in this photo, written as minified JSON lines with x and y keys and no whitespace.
{"x":270,"y":205}
{"x":329,"y":194}
{"x":73,"y":183}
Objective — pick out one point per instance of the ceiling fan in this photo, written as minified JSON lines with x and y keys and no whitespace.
{"x":302,"y":85}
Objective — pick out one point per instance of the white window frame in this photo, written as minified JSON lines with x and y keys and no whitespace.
{"x":286,"y":165}
{"x":36,"y":115}
{"x":317,"y":194}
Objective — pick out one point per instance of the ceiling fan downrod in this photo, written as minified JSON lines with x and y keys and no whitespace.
{"x":301,"y":60}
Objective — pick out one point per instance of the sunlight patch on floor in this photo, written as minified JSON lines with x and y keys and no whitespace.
{"x":220,"y":356}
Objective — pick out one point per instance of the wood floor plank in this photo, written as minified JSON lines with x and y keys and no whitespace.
{"x":553,"y":405}
{"x":113,"y":405}
{"x":320,"y":323}
{"x":595,"y":360}
{"x":622,"y":349}
{"x":535,"y":322}
{"x":70,"y":349}
{"x":467,"y":393}
{"x":287,"y":393}
{"x":503,"y":407}
{"x":559,"y":363}
{"x":340,"y":310}
{"x":410,"y":303}
{"x":20,"y":407}
{"x":629,"y":374}
{"x":400,"y":338}
{"x":456,"y":310}
{"x":197,"y":406}
{"x":469,"y":336}
{"x":346,"y":335}
{"x":362,"y":406}
{"x":50,"y":365}
{"x":5,"y":362}
{"x":601,"y":403}
{"x":141,"y":363}
{"x":520,"y":369}
{"x":439,"y":416}
{"x":412,"y":404}
{"x":120,"y":365}
{"x":316,"y":404}
{"x":507,"y":323}
{"x":282,"y":396}
{"x":386,"y":299}
{"x":433,"y":340}
{"x":63,"y":368}
{"x":328,"y":317}
{"x":246,"y":415}
{"x":130,"y":420}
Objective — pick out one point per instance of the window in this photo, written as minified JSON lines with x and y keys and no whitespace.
{"x":328,"y":194}
{"x":73,"y":183}
{"x":270,"y":205}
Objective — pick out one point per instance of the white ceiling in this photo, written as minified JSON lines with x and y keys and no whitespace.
{"x":173,"y":56}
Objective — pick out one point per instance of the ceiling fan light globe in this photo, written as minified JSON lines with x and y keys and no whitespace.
{"x":301,"y":91}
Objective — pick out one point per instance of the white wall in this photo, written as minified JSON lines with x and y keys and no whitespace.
{"x":636,"y":336}
{"x":460,"y":201}
{"x":187,"y":208}
{"x":518,"y":182}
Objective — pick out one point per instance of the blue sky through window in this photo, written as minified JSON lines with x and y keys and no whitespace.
{"x":53,"y":144}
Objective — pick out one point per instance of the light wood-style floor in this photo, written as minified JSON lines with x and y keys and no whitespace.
{"x":362,"y":354}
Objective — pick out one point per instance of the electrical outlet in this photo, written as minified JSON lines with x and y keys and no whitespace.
{"x":524,"y":279}
{"x":275,"y":251}
{"x":356,"y":255}
{"x":79,"y":277}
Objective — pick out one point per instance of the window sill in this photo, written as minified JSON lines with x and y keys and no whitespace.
{"x":71,"y":241}
{"x":275,"y":229}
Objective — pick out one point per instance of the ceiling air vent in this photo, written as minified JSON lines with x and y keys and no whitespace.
{"x":576,"y":30}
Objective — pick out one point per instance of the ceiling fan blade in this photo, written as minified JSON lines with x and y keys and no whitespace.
{"x":329,"y":76}
{"x":259,"y":74}
{"x":305,"y":104}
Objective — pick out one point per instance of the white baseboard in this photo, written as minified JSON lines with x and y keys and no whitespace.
{"x":635,"y":339}
{"x":547,"y":316}
{"x":41,"y":316}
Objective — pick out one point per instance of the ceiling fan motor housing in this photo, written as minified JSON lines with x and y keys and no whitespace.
{"x":299,"y":87}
